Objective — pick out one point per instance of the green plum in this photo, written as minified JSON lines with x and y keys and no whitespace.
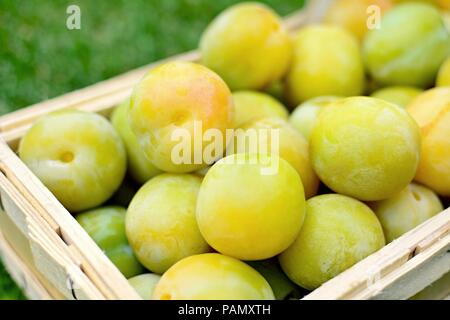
{"x":251,"y":105}
{"x":338,"y":232}
{"x":212,"y":276}
{"x":406,"y":210}
{"x":399,"y":95}
{"x":409,"y":46}
{"x":251,"y":206}
{"x":78,"y":156}
{"x":145,"y":284}
{"x":173,"y":101}
{"x":304,"y":117}
{"x":282,"y":287}
{"x":327,"y":61}
{"x":365,"y":148}
{"x":160,"y":221}
{"x":106,"y":226}
{"x":141,"y":169}
{"x":247,"y":45}
{"x":431,"y":110}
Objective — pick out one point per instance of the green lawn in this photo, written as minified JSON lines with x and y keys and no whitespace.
{"x":40,"y":58}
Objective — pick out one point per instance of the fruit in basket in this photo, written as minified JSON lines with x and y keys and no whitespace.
{"x":212,"y":276}
{"x":170,"y":109}
{"x":286,"y":142}
{"x":106,"y":226}
{"x":443,"y":78}
{"x":141,"y":169}
{"x":406,"y":210}
{"x":282,"y":287}
{"x":365,"y":148}
{"x":160,"y":221}
{"x":145,"y":284}
{"x":251,"y":206}
{"x":409,"y":46}
{"x":431,"y":110}
{"x":337,"y":233}
{"x":78,"y":156}
{"x":399,"y":95}
{"x":355,"y":15}
{"x":247,"y":45}
{"x":327,"y":61}
{"x":250,"y":105}
{"x":304,"y":117}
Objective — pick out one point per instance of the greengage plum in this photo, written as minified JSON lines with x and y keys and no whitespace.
{"x":400,"y":96}
{"x":250,"y":206}
{"x":106,"y":226}
{"x":78,"y":156}
{"x":141,"y":169}
{"x":353,"y":15}
{"x":406,"y":210}
{"x":304,"y":117}
{"x":337,"y":233}
{"x":212,"y":276}
{"x":292,"y":147}
{"x":160,"y":221}
{"x":175,"y":96}
{"x":327,"y":61}
{"x":250,"y":105}
{"x":145,"y":284}
{"x":443,"y":78}
{"x":247,"y":45}
{"x":365,"y":148}
{"x":409,"y":46}
{"x":431,"y":110}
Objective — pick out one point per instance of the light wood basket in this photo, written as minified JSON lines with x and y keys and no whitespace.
{"x":51,"y":257}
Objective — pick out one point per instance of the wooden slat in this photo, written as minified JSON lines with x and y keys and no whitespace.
{"x":21,"y":273}
{"x":97,"y":267}
{"x":383,"y":274}
{"x":20,"y":244}
{"x":50,"y":254}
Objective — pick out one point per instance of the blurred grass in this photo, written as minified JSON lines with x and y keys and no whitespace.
{"x":40,"y":58}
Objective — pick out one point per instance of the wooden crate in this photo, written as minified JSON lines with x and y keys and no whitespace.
{"x":51,"y":257}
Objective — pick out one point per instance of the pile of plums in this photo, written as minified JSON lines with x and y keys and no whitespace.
{"x":362,"y":153}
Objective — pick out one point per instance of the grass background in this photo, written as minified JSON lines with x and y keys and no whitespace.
{"x":40,"y":58}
